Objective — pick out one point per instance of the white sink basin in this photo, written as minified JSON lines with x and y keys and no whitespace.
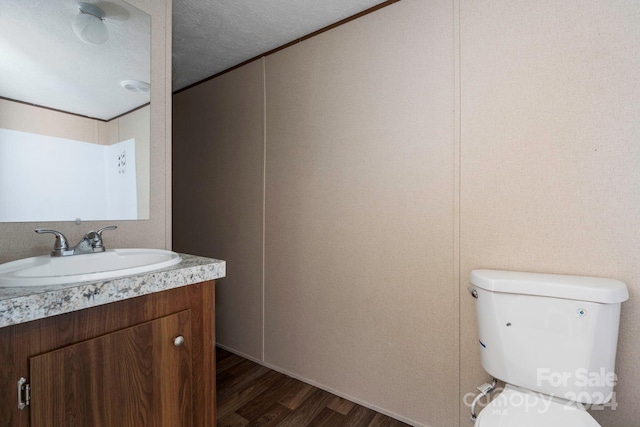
{"x":47,"y":270}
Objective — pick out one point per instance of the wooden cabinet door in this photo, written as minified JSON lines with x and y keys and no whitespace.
{"x":135,"y":377}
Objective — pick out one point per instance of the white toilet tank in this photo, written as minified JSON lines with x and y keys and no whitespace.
{"x":550,"y":333}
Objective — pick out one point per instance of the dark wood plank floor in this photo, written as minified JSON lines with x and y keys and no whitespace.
{"x":251,"y":395}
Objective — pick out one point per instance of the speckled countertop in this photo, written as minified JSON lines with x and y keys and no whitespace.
{"x":23,"y":304}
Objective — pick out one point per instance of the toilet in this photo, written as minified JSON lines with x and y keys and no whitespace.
{"x":552,"y":340}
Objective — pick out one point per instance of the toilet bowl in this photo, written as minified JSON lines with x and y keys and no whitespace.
{"x":552,"y":339}
{"x":518,"y":407}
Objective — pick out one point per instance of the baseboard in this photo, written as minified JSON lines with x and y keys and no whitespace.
{"x":239,"y":353}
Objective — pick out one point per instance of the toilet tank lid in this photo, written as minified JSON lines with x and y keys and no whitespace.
{"x":583,"y":288}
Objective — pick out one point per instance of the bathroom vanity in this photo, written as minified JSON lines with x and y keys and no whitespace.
{"x":132,"y":351}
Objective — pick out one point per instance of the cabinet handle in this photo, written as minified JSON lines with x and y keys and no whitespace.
{"x":24,"y":391}
{"x":178,"y":341}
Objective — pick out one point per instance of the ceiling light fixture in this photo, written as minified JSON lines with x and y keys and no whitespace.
{"x":89,"y":24}
{"x":136,"y":86}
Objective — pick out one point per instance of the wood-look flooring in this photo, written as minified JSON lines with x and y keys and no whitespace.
{"x":250,"y":394}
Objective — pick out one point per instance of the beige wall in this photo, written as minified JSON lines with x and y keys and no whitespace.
{"x":358,"y":168}
{"x":551,"y":156}
{"x":359,"y":212}
{"x":218,"y":197}
{"x":400,"y":151}
{"x":20,"y":241}
{"x":28,"y":118}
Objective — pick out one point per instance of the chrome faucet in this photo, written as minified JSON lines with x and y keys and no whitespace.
{"x":90,"y":243}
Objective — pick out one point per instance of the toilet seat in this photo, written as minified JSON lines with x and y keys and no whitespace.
{"x":518,"y":407}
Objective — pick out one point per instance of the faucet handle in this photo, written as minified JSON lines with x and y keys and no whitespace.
{"x":96,"y":237}
{"x":61,"y":244}
{"x":108,"y":227}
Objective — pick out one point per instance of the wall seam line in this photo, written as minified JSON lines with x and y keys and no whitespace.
{"x":264,"y":197}
{"x":457,"y":179}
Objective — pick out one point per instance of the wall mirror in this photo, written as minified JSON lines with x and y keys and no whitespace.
{"x":74,"y":109}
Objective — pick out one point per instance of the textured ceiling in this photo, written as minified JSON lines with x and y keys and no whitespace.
{"x":42,"y":61}
{"x":210,"y":36}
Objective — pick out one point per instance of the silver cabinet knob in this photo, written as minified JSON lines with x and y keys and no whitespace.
{"x":178,"y":341}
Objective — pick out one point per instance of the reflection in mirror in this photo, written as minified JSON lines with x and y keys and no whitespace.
{"x":62,"y":87}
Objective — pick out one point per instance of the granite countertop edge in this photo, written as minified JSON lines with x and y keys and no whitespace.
{"x":20,"y":305}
